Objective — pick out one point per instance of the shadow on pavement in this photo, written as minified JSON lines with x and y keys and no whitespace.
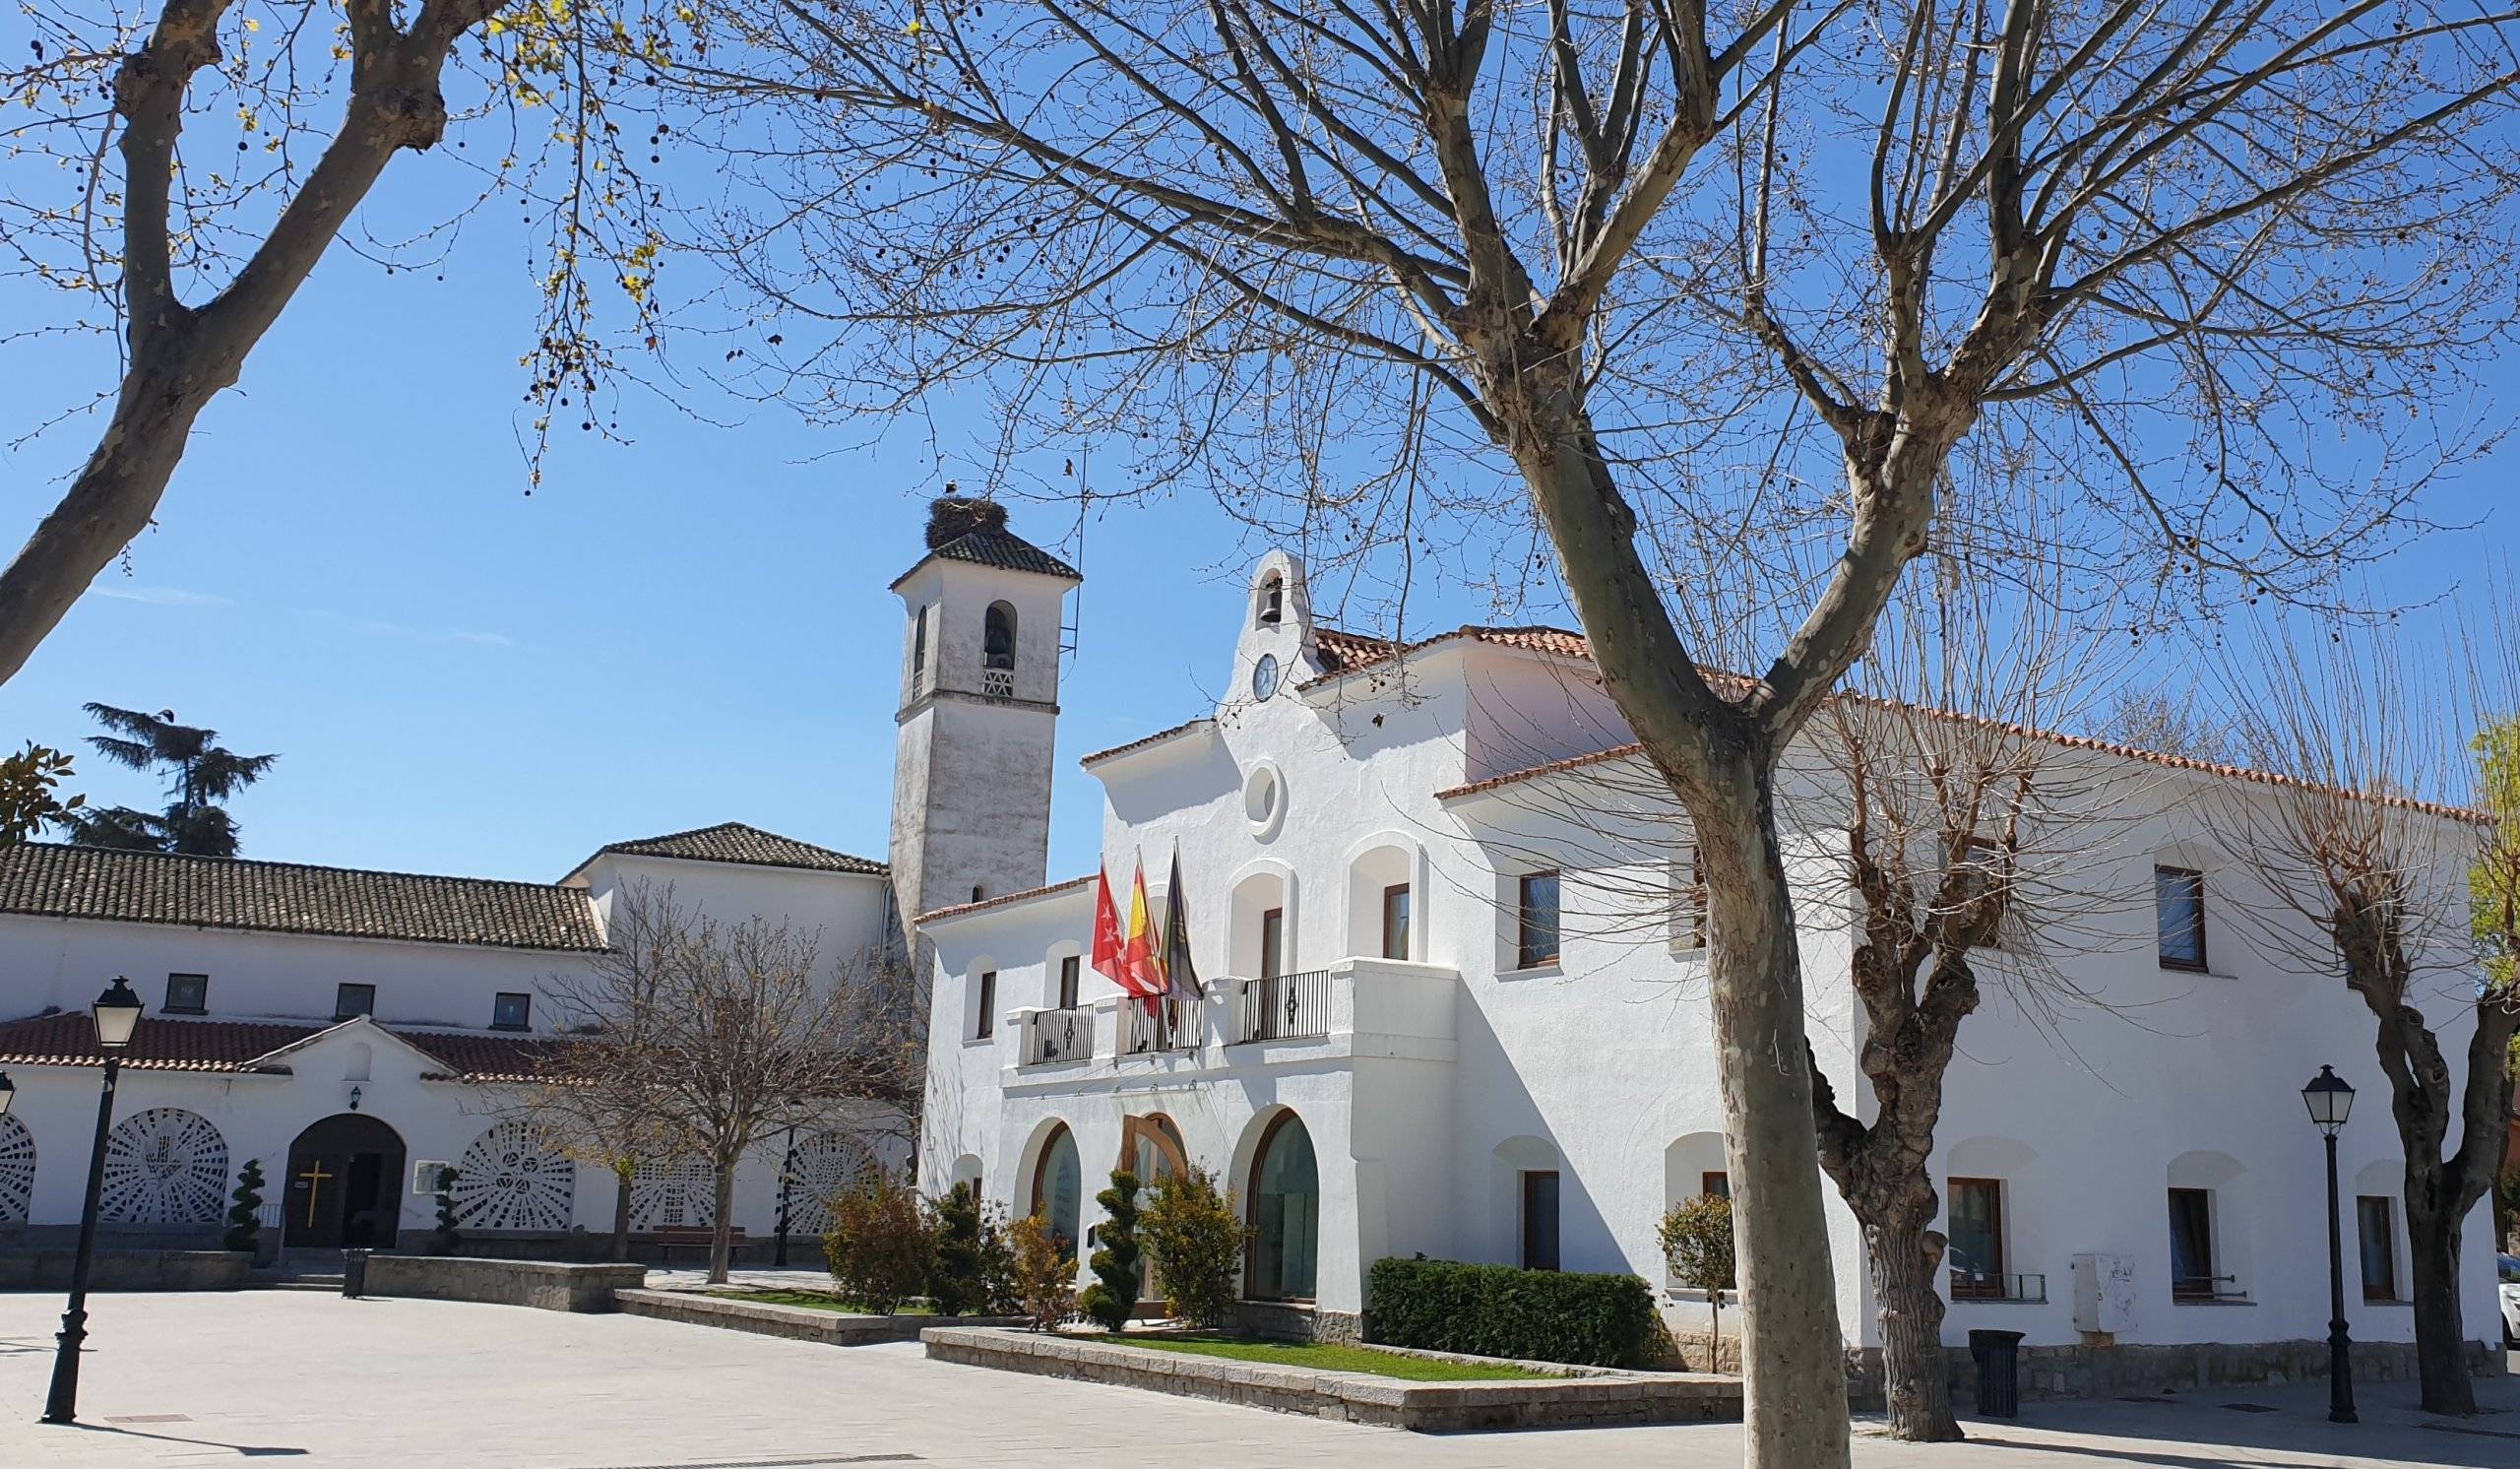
{"x":241,"y":1450}
{"x":2288,"y":1420}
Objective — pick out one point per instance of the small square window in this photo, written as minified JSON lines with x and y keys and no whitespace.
{"x":1536,"y":926}
{"x":350,"y":1000}
{"x":511,"y":1011}
{"x":187,"y":995}
{"x":2178,"y":916}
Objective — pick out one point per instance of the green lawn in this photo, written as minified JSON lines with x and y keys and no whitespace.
{"x":1332,"y":1357}
{"x":818,"y":1300}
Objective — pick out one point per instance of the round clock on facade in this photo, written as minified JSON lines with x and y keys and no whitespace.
{"x":1264,"y":677}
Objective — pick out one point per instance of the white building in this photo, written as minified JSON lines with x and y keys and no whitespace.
{"x":1417,"y":1036}
{"x":350,"y":1029}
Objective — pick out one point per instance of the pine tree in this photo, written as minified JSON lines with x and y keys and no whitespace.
{"x":958,"y":1284}
{"x":244,"y":1216}
{"x":1113,"y":1297}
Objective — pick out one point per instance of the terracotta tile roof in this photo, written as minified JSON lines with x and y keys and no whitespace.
{"x":1158,"y":737}
{"x":1006,"y":900}
{"x":1002,"y":549}
{"x":747,"y":846}
{"x":226,"y":892}
{"x":2070,"y":742}
{"x":69,"y":1039}
{"x":1345,"y":653}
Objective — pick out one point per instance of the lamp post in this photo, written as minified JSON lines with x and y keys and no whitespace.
{"x":117,"y":1014}
{"x":2331,"y":1102}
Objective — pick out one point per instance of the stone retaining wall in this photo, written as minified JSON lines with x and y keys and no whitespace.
{"x":127,"y":1269}
{"x":1289,"y":1321}
{"x":1594,"y":1398}
{"x":797,"y":1322}
{"x":2128,"y":1368}
{"x":536,"y":1283}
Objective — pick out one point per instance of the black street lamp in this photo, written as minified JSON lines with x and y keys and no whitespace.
{"x":2331,"y":1102}
{"x":117,"y":1013}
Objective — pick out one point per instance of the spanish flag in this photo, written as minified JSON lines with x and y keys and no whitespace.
{"x":1141,"y":948}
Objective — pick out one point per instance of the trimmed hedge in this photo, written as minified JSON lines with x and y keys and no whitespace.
{"x":1503,"y":1311}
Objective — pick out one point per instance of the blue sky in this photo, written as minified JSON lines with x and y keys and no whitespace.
{"x":689,"y":630}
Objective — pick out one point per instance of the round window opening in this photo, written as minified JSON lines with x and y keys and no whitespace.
{"x":1263,"y":799}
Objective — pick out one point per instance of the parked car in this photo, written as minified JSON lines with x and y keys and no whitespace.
{"x":2509,"y":1265}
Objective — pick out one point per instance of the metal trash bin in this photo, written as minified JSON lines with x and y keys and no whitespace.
{"x":1998,"y":1358}
{"x":353,"y":1273}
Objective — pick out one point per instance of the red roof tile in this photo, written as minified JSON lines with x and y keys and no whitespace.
{"x":69,"y":1039}
{"x":1026,"y":896}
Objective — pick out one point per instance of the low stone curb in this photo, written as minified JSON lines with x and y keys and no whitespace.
{"x":770,"y":1319}
{"x":542,"y":1283}
{"x":48,"y":1269}
{"x":1595,"y":1398}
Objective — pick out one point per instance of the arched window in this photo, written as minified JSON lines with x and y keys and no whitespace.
{"x":997,"y":637}
{"x":1058,"y":1189}
{"x":1271,"y":606}
{"x":1286,"y":1212}
{"x":1150,"y":1147}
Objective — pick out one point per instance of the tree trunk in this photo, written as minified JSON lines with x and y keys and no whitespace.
{"x":1916,"y":1373}
{"x":722,"y":1230}
{"x":2441,"y":1336}
{"x":621,"y":1189}
{"x":1793,"y":1348}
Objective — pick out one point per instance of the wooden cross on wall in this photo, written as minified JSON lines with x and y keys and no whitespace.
{"x":313,"y":1179}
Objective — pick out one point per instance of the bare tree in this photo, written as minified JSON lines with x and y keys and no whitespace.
{"x":1689,"y":276}
{"x":2167,"y":720}
{"x":1970,"y":835}
{"x":594,"y":1093}
{"x":727,"y":1034}
{"x":179,"y":170}
{"x":2387,"y":887}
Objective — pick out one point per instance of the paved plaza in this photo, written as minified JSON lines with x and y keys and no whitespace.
{"x":215,"y":1378}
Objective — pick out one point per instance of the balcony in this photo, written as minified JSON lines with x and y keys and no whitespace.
{"x":1354,"y":1008}
{"x":1170,"y":1024}
{"x":1283,"y":1008}
{"x":1053,"y":1037}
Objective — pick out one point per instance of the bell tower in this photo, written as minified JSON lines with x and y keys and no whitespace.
{"x":979,"y":705}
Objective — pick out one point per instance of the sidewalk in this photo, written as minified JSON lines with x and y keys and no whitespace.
{"x":195,"y":1379}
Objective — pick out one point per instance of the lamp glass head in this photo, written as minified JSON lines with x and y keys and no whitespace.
{"x":117,"y":1013}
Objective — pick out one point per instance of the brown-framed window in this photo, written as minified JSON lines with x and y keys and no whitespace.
{"x":2374,"y":1223}
{"x":1714,"y":1182}
{"x":1539,"y":1219}
{"x":2178,"y":916}
{"x":1977,"y":1238}
{"x":354,"y":999}
{"x":1273,"y":944}
{"x":988,"y":1004}
{"x":1536,"y":919}
{"x":511,"y":1010}
{"x":187,"y":995}
{"x":1282,"y":1253}
{"x":1395,"y":921}
{"x":1070,"y":968}
{"x":2191,"y":1244}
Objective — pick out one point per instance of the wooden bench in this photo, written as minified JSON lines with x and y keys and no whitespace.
{"x":691,"y":1236}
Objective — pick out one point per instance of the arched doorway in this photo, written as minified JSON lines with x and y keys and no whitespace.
{"x":1150,"y":1148}
{"x":1058,"y":1189}
{"x":345,"y":1184}
{"x":1286,"y":1212}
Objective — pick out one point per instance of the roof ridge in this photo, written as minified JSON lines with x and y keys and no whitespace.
{"x":142,"y":854}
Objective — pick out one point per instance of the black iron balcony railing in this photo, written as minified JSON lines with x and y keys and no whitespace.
{"x":1170,"y":1024}
{"x":1283,"y":1008}
{"x":1059,"y":1036}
